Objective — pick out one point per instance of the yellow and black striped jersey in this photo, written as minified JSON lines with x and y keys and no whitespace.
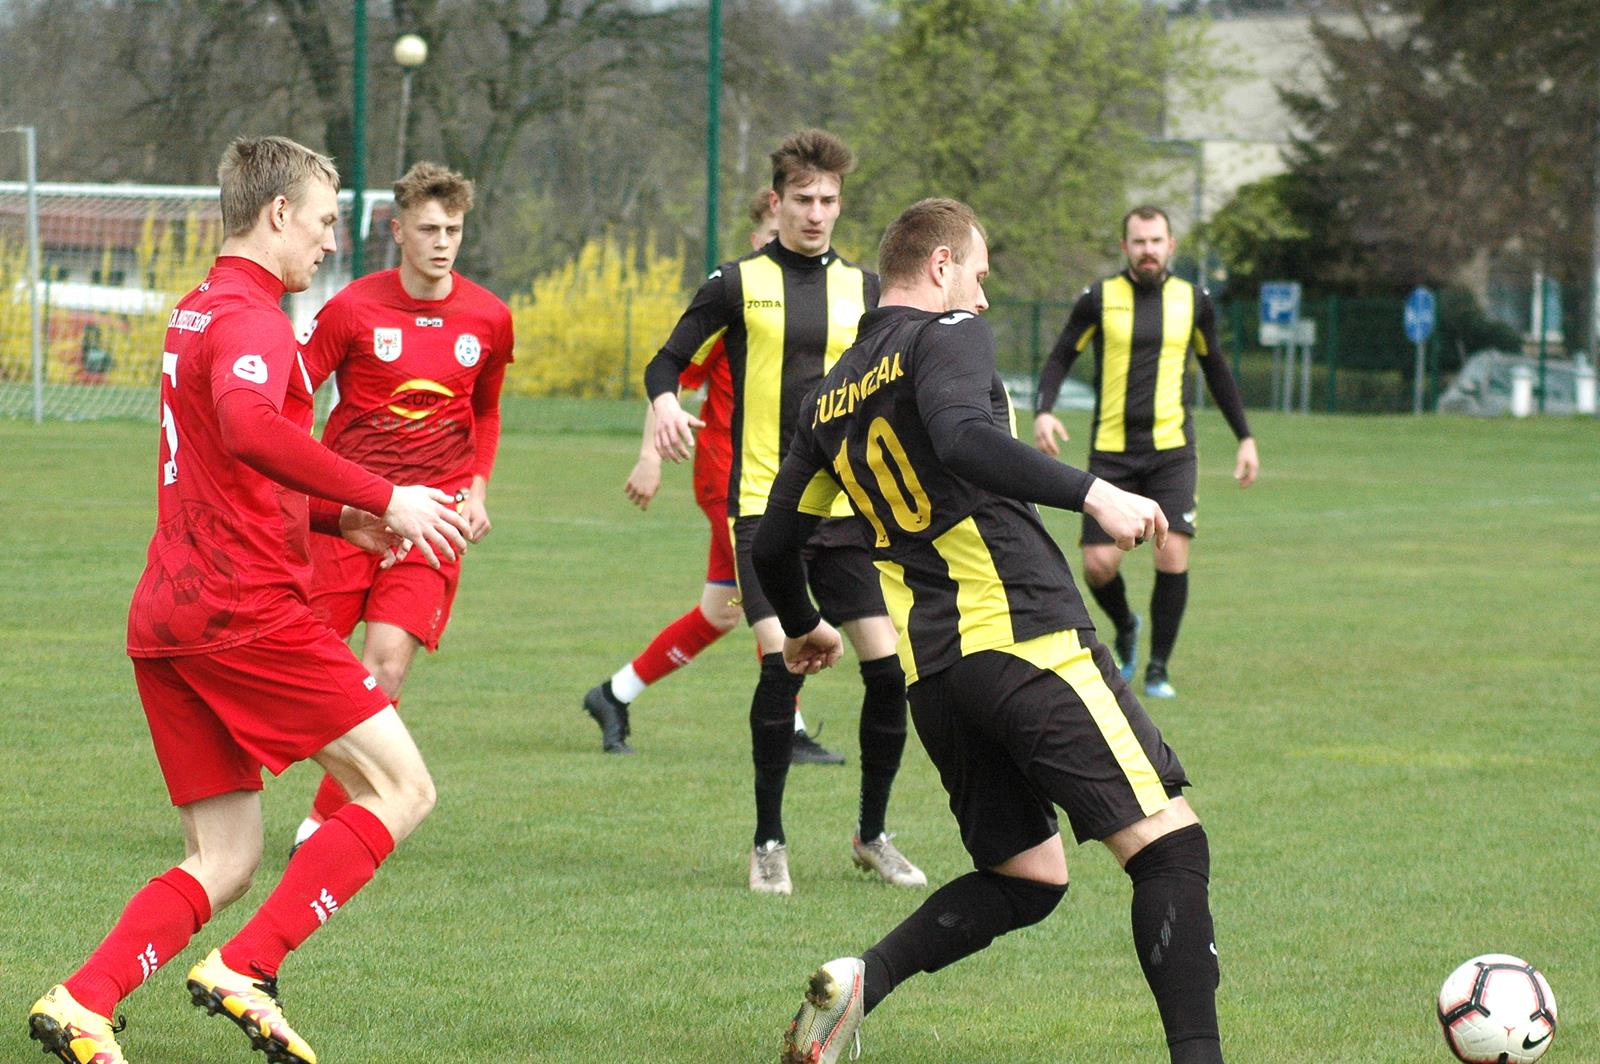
{"x":1142,"y":335}
{"x":915,"y":427}
{"x":785,"y":319}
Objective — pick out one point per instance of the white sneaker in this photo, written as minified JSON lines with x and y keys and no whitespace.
{"x":830,"y":1017}
{"x":308,"y":827}
{"x":880,"y":856}
{"x":769,"y":868}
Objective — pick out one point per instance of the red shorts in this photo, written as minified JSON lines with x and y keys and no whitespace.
{"x":347,"y":587}
{"x":719,"y":561}
{"x":217,"y":719}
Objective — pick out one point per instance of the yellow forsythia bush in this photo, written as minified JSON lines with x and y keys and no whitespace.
{"x":588,"y":328}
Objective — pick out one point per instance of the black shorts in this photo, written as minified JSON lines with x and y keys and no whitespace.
{"x":1168,"y":477}
{"x":1018,"y":731}
{"x":839,"y":571}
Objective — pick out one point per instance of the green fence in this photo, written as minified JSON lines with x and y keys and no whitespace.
{"x":1361,"y":360}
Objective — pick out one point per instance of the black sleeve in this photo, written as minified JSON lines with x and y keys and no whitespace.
{"x":954,"y":375}
{"x":708,"y":316}
{"x":782,"y":534}
{"x":1219,"y":381}
{"x":1085,"y":316}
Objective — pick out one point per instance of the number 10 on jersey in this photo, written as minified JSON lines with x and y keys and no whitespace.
{"x":883,"y":446}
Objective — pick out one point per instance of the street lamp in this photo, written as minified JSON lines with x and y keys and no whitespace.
{"x":410,"y":51}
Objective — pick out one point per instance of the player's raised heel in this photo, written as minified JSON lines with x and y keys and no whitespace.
{"x":71,"y":1032}
{"x":830,"y":1016}
{"x":253,"y":1005}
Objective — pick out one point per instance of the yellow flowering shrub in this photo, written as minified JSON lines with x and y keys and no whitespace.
{"x":588,"y":328}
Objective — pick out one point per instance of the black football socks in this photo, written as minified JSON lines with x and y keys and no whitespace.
{"x":883,"y":739}
{"x":956,"y":921}
{"x":1173,"y":935}
{"x":1167,"y":600}
{"x":771,"y":741}
{"x":1113,"y":600}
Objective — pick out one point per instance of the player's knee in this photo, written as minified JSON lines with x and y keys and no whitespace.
{"x":724,"y":616}
{"x":1030,"y":901}
{"x":1184,"y":852}
{"x":227,"y":877}
{"x":1097,"y":571}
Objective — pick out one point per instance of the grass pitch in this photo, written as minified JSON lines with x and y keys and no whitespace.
{"x":1388,"y":690}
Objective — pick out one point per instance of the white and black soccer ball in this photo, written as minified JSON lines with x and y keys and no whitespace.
{"x":1497,"y":1009}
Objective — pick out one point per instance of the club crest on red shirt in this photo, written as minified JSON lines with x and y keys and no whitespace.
{"x":386,"y":344}
{"x":468,"y":349}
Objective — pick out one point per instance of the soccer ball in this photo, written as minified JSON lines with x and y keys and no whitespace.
{"x":1497,"y":1009}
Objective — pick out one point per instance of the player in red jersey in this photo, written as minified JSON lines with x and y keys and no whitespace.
{"x":718,"y":611}
{"x":234,"y":671}
{"x":420,"y":353}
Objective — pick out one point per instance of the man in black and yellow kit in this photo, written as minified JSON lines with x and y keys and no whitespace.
{"x":1020,"y":708}
{"x":1142,"y":323}
{"x":785,"y":313}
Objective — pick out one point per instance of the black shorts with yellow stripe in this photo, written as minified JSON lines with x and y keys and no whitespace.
{"x":1021,"y":730}
{"x":1168,"y":477}
{"x":839,"y":571}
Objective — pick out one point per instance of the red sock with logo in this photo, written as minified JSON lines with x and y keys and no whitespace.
{"x":676,"y":646}
{"x":324,"y":873}
{"x":154,"y":927}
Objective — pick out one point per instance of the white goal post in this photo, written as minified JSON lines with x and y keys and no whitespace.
{"x":111,"y":261}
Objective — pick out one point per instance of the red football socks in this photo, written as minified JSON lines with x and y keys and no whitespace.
{"x":155,"y":926}
{"x":329,"y":800}
{"x":676,"y":646}
{"x":324,"y":873}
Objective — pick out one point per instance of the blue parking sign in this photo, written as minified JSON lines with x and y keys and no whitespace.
{"x":1421,"y":314}
{"x":1280,"y":303}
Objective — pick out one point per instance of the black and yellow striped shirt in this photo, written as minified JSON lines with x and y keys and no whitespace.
{"x":785,"y":319}
{"x":915,"y":427}
{"x":1142,"y":335}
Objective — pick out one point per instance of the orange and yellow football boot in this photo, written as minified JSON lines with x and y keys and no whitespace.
{"x":73,"y":1033}
{"x":253,"y":1004}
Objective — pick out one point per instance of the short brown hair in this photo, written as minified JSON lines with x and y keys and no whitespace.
{"x":257,"y":170}
{"x":921,"y":228}
{"x":808,"y":153}
{"x":430,"y":181}
{"x":1147,"y":213}
{"x":760,"y":207}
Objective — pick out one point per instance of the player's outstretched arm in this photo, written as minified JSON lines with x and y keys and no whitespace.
{"x":644,"y":480}
{"x":427,"y":517}
{"x":1127,"y":518}
{"x":674,"y":428}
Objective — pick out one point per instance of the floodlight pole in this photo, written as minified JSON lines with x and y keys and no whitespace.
{"x":1594,"y":246}
{"x":713,"y":126}
{"x":30,"y":155}
{"x":358,"y":142}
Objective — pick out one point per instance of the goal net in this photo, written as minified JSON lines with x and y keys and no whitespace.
{"x":113,"y":261}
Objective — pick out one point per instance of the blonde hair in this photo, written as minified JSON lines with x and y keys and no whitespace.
{"x":430,"y":181}
{"x":257,"y":170}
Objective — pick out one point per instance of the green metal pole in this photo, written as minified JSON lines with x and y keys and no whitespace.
{"x":1333,"y":354}
{"x":713,"y":127}
{"x":1544,"y":328}
{"x":358,"y":141}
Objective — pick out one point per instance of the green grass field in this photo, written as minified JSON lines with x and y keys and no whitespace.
{"x":1388,"y":678}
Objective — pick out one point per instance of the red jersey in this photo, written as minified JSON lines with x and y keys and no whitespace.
{"x":713,"y":454}
{"x":419,"y":380}
{"x":229,"y":561}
